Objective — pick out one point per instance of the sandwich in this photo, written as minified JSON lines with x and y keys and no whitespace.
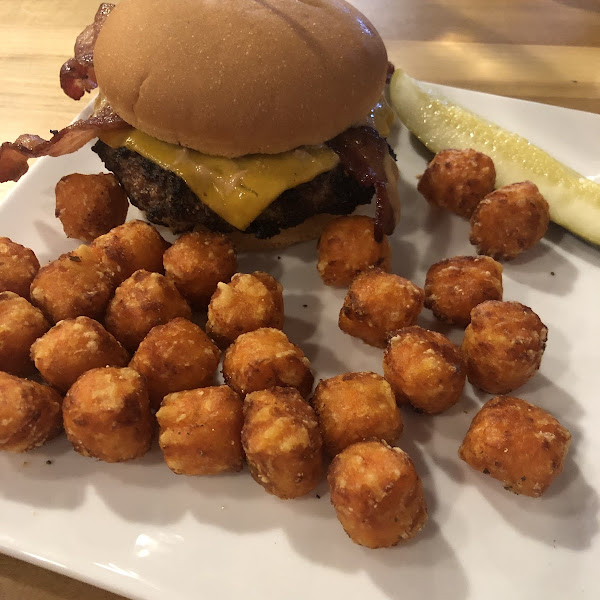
{"x":260,"y":119}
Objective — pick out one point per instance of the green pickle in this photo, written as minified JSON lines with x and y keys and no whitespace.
{"x":574,"y":200}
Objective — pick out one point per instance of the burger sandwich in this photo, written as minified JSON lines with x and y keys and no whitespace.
{"x":260,"y":119}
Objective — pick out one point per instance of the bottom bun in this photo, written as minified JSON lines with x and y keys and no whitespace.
{"x":308,"y":230}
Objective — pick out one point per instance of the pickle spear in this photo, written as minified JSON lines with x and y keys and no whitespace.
{"x":574,"y":200}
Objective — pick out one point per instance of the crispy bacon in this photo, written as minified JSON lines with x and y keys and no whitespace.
{"x":14,"y":156}
{"x":77,"y":75}
{"x":390,"y":72}
{"x":363,"y":153}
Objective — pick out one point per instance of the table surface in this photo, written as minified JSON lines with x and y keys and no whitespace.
{"x":542,"y":50}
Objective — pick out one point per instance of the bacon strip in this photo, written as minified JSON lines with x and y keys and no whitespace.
{"x":77,"y":75}
{"x":363,"y":151}
{"x":14,"y":156}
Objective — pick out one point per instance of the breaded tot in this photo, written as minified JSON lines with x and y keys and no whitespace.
{"x":455,"y":286}
{"x":355,"y":407}
{"x":425,"y":369}
{"x":29,"y":413}
{"x":509,"y":221}
{"x":74,"y":346}
{"x":90,"y":205}
{"x":377,"y":494}
{"x":141,"y":302}
{"x":518,"y":443}
{"x":200,"y":431}
{"x":458,"y":180}
{"x":106,"y":414}
{"x":20,"y":325}
{"x":378,"y":303}
{"x":18,"y":267}
{"x":174,"y":357}
{"x":133,"y":246}
{"x":78,"y":283}
{"x":248,"y":302}
{"x":282,"y":442}
{"x":503,"y":346}
{"x":197,"y":262}
{"x":266,"y":358}
{"x":347,"y":247}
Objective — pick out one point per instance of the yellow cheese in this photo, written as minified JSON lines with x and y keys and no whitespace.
{"x":239,"y":189}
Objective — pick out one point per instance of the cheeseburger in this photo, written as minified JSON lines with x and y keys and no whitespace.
{"x":257,"y":118}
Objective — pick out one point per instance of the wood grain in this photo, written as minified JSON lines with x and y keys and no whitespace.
{"x":542,"y":50}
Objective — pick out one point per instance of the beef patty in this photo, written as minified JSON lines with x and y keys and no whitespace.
{"x":167,"y":200}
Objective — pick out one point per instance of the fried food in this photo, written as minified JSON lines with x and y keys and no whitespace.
{"x":518,"y":443}
{"x":355,"y":407}
{"x":20,"y":325}
{"x":78,"y":283}
{"x":200,"y":431}
{"x":378,"y":303}
{"x":266,"y":358}
{"x":74,"y":346}
{"x":90,"y":205}
{"x":458,"y":180}
{"x":133,"y":246}
{"x":29,"y":413}
{"x":282,"y":442}
{"x":174,"y":357}
{"x":248,"y":302}
{"x":424,"y":369}
{"x":347,"y":247}
{"x":377,"y":494}
{"x":503,"y":346}
{"x":107,"y":414}
{"x":141,"y":302}
{"x":18,"y":267}
{"x":509,"y":221}
{"x":197,"y":262}
{"x":454,"y":286}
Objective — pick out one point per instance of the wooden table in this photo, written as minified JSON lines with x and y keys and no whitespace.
{"x":542,"y":50}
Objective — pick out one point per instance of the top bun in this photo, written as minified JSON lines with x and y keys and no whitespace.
{"x":236,"y":77}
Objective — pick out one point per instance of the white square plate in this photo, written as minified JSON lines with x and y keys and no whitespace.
{"x":144,"y":532}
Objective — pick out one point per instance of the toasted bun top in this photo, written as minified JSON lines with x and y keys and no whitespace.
{"x":236,"y":77}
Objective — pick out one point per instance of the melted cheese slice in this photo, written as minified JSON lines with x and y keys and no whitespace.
{"x":239,"y":189}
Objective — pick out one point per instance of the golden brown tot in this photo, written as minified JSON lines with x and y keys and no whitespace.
{"x":458,"y":180}
{"x":266,"y":358}
{"x":509,"y":221}
{"x":518,"y":443}
{"x":29,"y":413}
{"x":74,"y":346}
{"x":141,"y":302}
{"x":378,"y":303}
{"x":453,"y":287}
{"x":133,"y":246}
{"x":197,"y":262}
{"x":90,"y":205}
{"x":106,"y":415}
{"x":200,"y":431}
{"x":424,"y":369}
{"x":20,"y":325}
{"x":18,"y":267}
{"x":503,"y":346}
{"x":377,"y":494}
{"x":78,"y":283}
{"x":174,"y":357}
{"x":282,"y":442}
{"x":248,"y":302}
{"x":355,"y":407}
{"x":347,"y":247}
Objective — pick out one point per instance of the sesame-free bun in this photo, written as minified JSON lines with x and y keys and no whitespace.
{"x":236,"y":77}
